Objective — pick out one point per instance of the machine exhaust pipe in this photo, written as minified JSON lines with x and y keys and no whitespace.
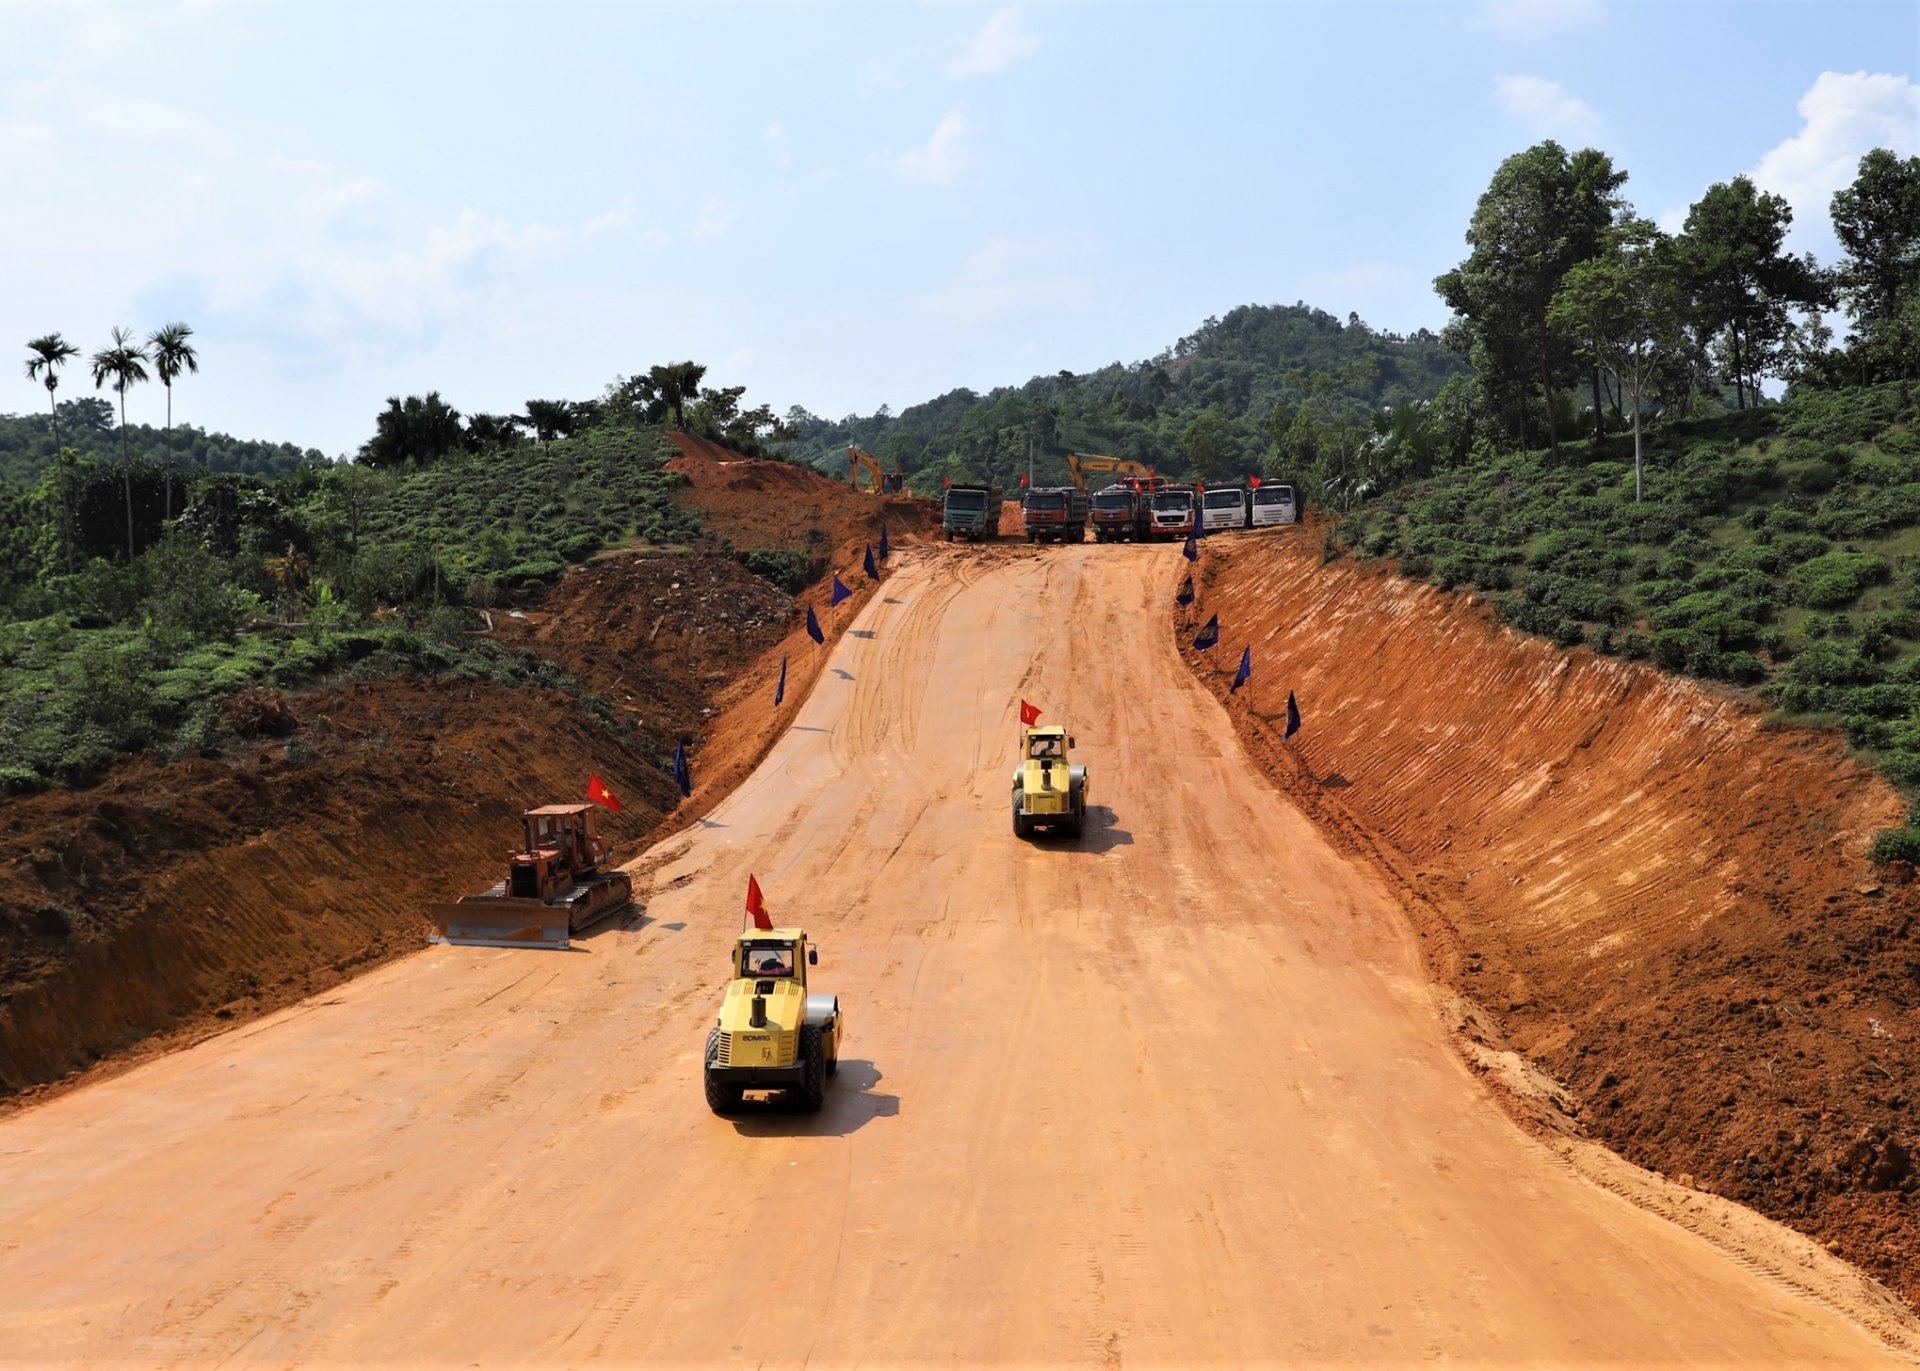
{"x":759,"y":1018}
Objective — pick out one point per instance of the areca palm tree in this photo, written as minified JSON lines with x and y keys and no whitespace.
{"x":172,"y":355}
{"x":124,"y":364}
{"x":50,"y":354}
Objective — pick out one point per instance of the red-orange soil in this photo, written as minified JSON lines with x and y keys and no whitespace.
{"x":175,"y":899}
{"x":1655,"y":895}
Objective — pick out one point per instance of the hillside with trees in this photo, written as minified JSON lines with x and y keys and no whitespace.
{"x":1265,"y":388}
{"x":1689,"y":519}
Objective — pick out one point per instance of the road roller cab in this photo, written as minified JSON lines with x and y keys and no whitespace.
{"x":1049,"y":791}
{"x":773,"y":1033}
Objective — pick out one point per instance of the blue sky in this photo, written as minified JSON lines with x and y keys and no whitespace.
{"x":834,"y":205}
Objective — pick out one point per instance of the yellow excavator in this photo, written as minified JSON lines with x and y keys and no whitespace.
{"x":774,"y":1032}
{"x":860,"y":463}
{"x":1079,"y":463}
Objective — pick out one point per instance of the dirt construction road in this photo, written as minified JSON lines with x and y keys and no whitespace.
{"x":1175,"y":1093}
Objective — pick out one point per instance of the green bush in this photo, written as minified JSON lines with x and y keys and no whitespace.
{"x":1835,"y":578}
{"x":1895,"y":845}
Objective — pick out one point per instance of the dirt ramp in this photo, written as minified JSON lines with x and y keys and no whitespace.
{"x":1661,"y":899}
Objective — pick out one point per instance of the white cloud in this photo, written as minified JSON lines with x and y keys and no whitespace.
{"x":1007,"y":278}
{"x":1845,"y":116}
{"x":776,"y":138}
{"x":942,"y":158}
{"x":713,"y":221}
{"x":739,"y":361}
{"x":1534,"y":18}
{"x":1546,"y":108}
{"x":619,"y":217}
{"x":1004,"y":40}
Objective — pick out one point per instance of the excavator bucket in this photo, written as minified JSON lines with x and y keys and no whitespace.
{"x":496,"y":919}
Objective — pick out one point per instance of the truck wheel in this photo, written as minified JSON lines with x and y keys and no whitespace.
{"x":1022,"y":826}
{"x":812,"y":1091}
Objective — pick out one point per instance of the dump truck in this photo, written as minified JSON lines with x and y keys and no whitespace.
{"x":560,"y":882}
{"x":1116,"y":514}
{"x":1055,"y":514}
{"x":772,"y":1032}
{"x":1173,"y":512}
{"x":1049,"y":791}
{"x":971,"y":512}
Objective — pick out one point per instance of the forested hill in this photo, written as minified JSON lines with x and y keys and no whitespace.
{"x":90,"y":426}
{"x":1220,"y":401}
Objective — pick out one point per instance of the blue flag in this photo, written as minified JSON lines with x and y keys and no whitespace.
{"x":1192,"y":550}
{"x":840,"y":592}
{"x":813,"y":627}
{"x":1293,"y":717}
{"x":883,"y":542}
{"x":1209,"y":636}
{"x":780,"y":688}
{"x":873,"y":572}
{"x":1185,"y":597}
{"x":682,"y":776}
{"x":1245,"y":673}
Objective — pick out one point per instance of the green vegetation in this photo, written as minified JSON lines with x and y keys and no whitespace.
{"x":1280,"y":389}
{"x":330,"y":573}
{"x":1777,"y":548}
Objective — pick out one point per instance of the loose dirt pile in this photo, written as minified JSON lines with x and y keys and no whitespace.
{"x":1655,"y":895}
{"x":176,"y":899}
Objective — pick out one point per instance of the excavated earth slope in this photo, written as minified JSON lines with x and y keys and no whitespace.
{"x":1660,"y":898}
{"x":176,"y":899}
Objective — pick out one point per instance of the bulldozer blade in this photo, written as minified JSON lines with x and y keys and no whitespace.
{"x":501,"y":923}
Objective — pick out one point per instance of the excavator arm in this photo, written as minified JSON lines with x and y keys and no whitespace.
{"x":860,"y":463}
{"x":1078,"y":463}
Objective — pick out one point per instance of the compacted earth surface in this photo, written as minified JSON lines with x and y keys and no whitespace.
{"x":1310,"y":1049}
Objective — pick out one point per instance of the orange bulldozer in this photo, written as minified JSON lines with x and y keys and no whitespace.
{"x":560,"y":883}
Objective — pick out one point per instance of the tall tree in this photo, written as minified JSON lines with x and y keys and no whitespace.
{"x":1742,"y":282}
{"x":172,"y":355}
{"x":421,"y":430}
{"x":1877,"y":220}
{"x":122,"y":365}
{"x":1544,"y":211}
{"x":675,"y":383}
{"x":49,"y":355}
{"x":1627,"y":307}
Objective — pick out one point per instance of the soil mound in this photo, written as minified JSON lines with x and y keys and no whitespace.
{"x":1657,"y":896}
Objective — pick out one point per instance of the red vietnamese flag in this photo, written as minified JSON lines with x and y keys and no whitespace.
{"x":1029,"y":714}
{"x":757,"y":905}
{"x":1254,"y":481}
{"x":600,"y":795}
{"x":1023,"y":480}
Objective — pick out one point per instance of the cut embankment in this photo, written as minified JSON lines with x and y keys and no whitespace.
{"x":1659,"y":898}
{"x":179,"y":898}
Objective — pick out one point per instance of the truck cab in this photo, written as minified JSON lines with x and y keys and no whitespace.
{"x":1223,"y":507}
{"x":1116,"y":513}
{"x":1049,"y":791}
{"x":1275,"y":504}
{"x":772,"y":1032}
{"x":1173,"y":512}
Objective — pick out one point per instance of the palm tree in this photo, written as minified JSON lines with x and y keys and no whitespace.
{"x":50,"y":354}
{"x":124,"y":365}
{"x":172,"y":354}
